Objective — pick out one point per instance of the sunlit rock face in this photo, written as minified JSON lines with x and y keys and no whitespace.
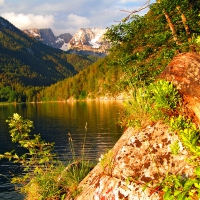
{"x":184,"y":72}
{"x":89,"y":39}
{"x":85,"y":39}
{"x":141,"y":159}
{"x":47,"y":37}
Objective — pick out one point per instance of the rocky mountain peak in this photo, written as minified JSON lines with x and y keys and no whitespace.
{"x":33,"y":32}
{"x":85,"y":39}
{"x":47,"y":37}
{"x":89,"y":39}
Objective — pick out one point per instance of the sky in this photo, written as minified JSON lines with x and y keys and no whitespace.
{"x":67,"y":16}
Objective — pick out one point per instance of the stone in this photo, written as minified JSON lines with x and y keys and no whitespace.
{"x":184,"y":72}
{"x":142,"y":158}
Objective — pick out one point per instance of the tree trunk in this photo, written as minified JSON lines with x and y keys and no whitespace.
{"x":184,"y":21}
{"x":172,"y":28}
{"x":187,"y":29}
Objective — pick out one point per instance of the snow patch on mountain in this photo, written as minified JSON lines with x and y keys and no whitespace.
{"x":34,"y":33}
{"x":94,"y":44}
{"x":85,"y":39}
{"x":64,"y":47}
{"x":89,"y":39}
{"x":59,"y":40}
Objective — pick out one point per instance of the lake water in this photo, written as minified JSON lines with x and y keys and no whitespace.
{"x":54,"y":120}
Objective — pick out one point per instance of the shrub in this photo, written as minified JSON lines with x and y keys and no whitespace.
{"x":43,"y":176}
{"x":150,"y":103}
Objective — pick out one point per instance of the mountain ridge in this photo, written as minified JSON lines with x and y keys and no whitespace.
{"x":27,"y":61}
{"x":85,"y":39}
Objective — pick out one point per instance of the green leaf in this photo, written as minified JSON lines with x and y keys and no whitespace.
{"x":197,"y":185}
{"x":177,"y":192}
{"x":167,"y":195}
{"x":181,"y":196}
{"x":197,"y":171}
{"x":188,"y":184}
{"x":175,"y":148}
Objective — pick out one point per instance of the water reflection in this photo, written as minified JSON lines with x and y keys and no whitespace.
{"x":54,"y":120}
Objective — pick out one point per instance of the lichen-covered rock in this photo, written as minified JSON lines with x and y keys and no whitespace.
{"x":184,"y":72}
{"x":140,"y":159}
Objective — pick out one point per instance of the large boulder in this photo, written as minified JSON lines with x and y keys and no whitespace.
{"x":141,"y":159}
{"x":184,"y":72}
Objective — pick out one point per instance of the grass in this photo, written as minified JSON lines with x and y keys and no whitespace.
{"x":149,"y":104}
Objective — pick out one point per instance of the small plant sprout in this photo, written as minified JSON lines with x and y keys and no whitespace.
{"x":107,"y":162}
{"x":175,"y":148}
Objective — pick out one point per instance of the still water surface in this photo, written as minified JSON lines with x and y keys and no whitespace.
{"x":54,"y":120}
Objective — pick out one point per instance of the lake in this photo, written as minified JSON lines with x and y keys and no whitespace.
{"x":54,"y":120}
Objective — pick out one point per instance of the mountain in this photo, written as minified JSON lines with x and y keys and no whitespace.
{"x":47,"y":37}
{"x":89,"y":39}
{"x":28,"y":62}
{"x":62,"y":39}
{"x":140,"y":50}
{"x":85,"y":39}
{"x":34,"y":32}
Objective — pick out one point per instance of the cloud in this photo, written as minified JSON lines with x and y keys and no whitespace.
{"x":77,"y":21}
{"x":70,"y":24}
{"x":1,"y":3}
{"x":23,"y":21}
{"x":104,"y":19}
{"x":64,"y":15}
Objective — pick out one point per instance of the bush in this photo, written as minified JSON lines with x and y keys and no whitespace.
{"x":43,"y":176}
{"x":150,"y":103}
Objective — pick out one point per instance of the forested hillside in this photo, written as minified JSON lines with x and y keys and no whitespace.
{"x":142,"y":48}
{"x":25,"y":62}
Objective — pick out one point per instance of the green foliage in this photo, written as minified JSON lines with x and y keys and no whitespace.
{"x":83,"y":95}
{"x":7,"y":94}
{"x":107,"y":163}
{"x":93,"y":81}
{"x":79,"y":170}
{"x":29,"y":64}
{"x":163,"y":94}
{"x":188,"y":133}
{"x":39,"y":151}
{"x":46,"y":184}
{"x":180,"y":187}
{"x":151,"y":103}
{"x":43,"y":176}
{"x":175,"y":148}
{"x":145,"y":44}
{"x":198,"y":40}
{"x":141,"y":48}
{"x":136,"y":112}
{"x":80,"y":62}
{"x":177,"y":186}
